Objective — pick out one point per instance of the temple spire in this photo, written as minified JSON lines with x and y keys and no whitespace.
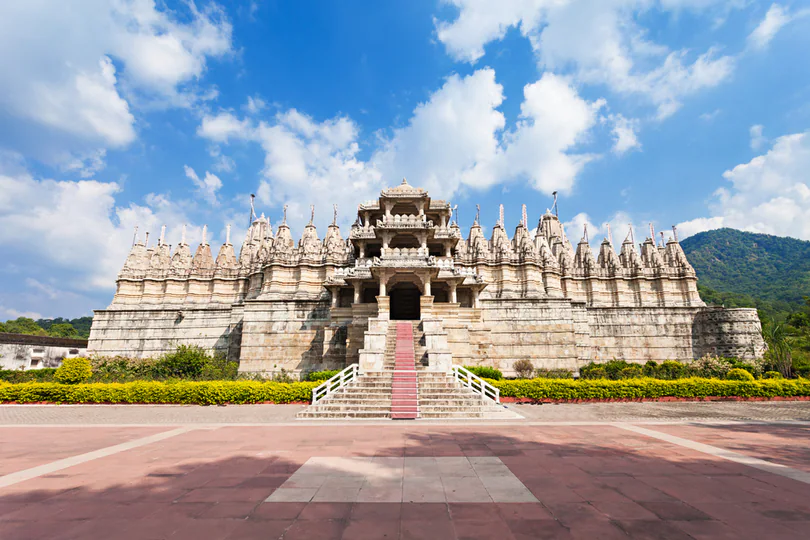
{"x":334,"y":214}
{"x":162,"y":235}
{"x":284,"y":219}
{"x":477,"y":213}
{"x":609,"y":235}
{"x":135,"y":236}
{"x":228,"y":234}
{"x":205,"y":235}
{"x":147,"y":239}
{"x":652,"y":233}
{"x":311,"y":213}
{"x":500,"y":215}
{"x":585,"y":234}
{"x":675,"y":233}
{"x":523,"y":219}
{"x":183,"y":235}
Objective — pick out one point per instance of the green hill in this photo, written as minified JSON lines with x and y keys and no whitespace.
{"x":742,"y":269}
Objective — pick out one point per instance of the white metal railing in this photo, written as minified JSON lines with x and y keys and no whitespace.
{"x":476,"y":383}
{"x":338,"y":381}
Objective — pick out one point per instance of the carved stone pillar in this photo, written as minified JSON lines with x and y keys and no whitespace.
{"x":358,"y":292}
{"x":453,"y":295}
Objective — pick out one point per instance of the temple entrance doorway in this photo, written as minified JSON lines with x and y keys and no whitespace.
{"x":405,"y":302}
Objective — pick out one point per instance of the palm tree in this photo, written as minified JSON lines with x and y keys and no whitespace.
{"x":779,"y":348}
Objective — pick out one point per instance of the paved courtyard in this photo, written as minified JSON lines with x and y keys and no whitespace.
{"x":738,"y":470}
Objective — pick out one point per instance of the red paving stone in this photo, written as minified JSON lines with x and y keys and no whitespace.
{"x":590,"y":481}
{"x":24,"y":447}
{"x":785,"y":444}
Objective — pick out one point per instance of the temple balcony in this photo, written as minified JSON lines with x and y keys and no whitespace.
{"x":404,"y":222}
{"x":362,"y":233}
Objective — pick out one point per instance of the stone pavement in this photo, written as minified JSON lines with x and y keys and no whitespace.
{"x":149,"y":415}
{"x":538,"y":478}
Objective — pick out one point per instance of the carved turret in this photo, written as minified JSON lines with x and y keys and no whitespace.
{"x":203,"y":260}
{"x":226,"y":259}
{"x":584,"y":259}
{"x":650,"y":256}
{"x":629,"y":256}
{"x":181,"y":260}
{"x":608,"y":258}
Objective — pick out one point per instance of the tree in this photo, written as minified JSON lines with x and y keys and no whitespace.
{"x":65,"y":330}
{"x":24,"y":325}
{"x":779,"y":348}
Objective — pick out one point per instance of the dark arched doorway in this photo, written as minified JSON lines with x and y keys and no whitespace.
{"x":405,"y":302}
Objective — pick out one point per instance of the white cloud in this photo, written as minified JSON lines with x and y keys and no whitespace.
{"x":554,"y":119}
{"x":769,"y":194}
{"x":207,"y":187}
{"x":63,"y":93}
{"x":757,"y":139}
{"x":223,"y":126}
{"x":451,"y":139}
{"x":255,"y":105}
{"x":776,"y":17}
{"x":10,"y":313}
{"x":708,"y":117}
{"x":77,"y":227}
{"x":600,"y":41}
{"x":624,"y":134}
{"x":455,"y":138}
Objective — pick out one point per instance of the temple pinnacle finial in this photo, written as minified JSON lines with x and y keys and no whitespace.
{"x":284,"y":219}
{"x":135,"y":236}
{"x":524,"y":220}
{"x":311,"y":213}
{"x":454,"y":210}
{"x":675,"y":232}
{"x":500,"y":215}
{"x":404,"y":181}
{"x":652,"y":233}
{"x":556,"y":210}
{"x":147,"y":239}
{"x":228,"y":234}
{"x":334,"y":214}
{"x":205,"y":235}
{"x":183,"y":235}
{"x":162,"y":238}
{"x":663,"y":243}
{"x":632,"y":236}
{"x":477,"y":213}
{"x":609,"y":235}
{"x":585,"y":234}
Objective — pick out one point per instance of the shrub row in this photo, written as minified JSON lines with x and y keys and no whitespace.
{"x":646,"y":388}
{"x":184,"y":392}
{"x":19,"y":376}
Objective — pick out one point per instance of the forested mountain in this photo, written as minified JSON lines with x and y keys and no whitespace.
{"x":743,"y":269}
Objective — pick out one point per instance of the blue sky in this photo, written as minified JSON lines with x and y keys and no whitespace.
{"x":132,"y":112}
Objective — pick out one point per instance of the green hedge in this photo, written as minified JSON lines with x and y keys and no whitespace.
{"x":645,"y":388}
{"x":184,"y":392}
{"x":19,"y":376}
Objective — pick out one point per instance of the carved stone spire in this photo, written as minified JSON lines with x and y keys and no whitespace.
{"x":477,"y":213}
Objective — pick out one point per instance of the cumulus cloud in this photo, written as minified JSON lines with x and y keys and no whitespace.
{"x":70,"y":72}
{"x":78,"y":227}
{"x":456,"y":138}
{"x":776,"y":17}
{"x":757,"y":139}
{"x":207,"y":186}
{"x":624,"y":134}
{"x":769,"y":194}
{"x":599,"y":41}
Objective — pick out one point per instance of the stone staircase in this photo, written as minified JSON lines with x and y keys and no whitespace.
{"x":404,"y":401}
{"x":405,"y":388}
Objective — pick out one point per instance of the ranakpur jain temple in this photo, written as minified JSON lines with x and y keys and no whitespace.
{"x":328,"y":303}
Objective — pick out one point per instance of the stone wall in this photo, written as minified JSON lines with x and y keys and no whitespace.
{"x":21,"y":351}
{"x":146,"y":333}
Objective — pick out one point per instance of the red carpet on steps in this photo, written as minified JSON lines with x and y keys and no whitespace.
{"x":404,"y":404}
